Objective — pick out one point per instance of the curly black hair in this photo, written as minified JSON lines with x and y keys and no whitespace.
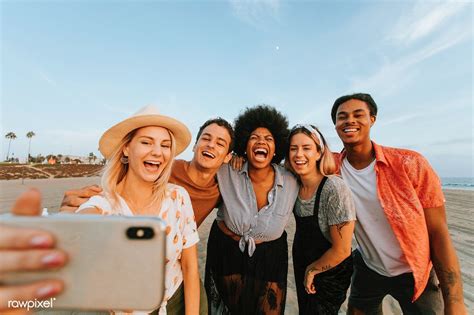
{"x":262,"y":116}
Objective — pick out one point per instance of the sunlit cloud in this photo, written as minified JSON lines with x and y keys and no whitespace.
{"x":393,"y":73}
{"x":424,"y":19}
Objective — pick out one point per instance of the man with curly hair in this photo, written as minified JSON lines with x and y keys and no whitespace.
{"x":401,"y":225}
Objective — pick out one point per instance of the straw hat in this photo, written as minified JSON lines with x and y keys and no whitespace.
{"x":147,"y":116}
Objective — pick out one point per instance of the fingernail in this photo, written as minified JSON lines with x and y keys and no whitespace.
{"x":47,"y":291}
{"x":40,"y":241}
{"x":52,"y":260}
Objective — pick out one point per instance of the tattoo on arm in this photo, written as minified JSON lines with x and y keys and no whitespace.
{"x":340,"y":226}
{"x":448,"y":279}
{"x":313,"y":270}
{"x":326,"y":267}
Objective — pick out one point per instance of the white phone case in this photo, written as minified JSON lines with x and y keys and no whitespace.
{"x":106,"y":270}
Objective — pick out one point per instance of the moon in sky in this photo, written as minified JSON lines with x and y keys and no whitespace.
{"x":277,"y":47}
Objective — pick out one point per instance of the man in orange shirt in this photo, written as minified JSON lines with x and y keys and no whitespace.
{"x":401,"y":227}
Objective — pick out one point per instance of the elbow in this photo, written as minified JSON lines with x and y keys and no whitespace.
{"x":342,"y":253}
{"x":438,"y":234}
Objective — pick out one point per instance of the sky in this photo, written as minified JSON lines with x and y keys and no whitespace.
{"x":72,"y":69}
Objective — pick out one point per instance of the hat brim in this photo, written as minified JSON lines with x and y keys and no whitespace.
{"x":110,"y":140}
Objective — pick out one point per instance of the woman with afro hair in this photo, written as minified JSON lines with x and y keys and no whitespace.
{"x":247,"y":253}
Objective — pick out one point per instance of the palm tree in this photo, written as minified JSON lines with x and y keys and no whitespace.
{"x":11,"y":136}
{"x":29,"y":135}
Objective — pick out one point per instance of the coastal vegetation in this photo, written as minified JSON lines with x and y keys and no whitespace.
{"x":37,"y":171}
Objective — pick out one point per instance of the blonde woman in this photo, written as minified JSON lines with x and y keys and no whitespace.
{"x":140,"y":151}
{"x":325,"y":215}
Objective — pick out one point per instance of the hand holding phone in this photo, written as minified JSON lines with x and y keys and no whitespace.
{"x":115,"y":262}
{"x":27,"y":249}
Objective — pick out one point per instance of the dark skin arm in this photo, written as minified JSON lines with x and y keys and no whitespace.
{"x":445,"y":261}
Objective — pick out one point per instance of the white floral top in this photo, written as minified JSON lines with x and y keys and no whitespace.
{"x":181,"y":231}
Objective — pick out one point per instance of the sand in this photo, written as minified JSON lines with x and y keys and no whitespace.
{"x":459,"y":205}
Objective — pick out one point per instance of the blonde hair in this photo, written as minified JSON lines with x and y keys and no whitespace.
{"x":326,"y":163}
{"x":115,"y":171}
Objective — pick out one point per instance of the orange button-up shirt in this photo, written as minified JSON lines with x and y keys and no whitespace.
{"x":406,"y":185}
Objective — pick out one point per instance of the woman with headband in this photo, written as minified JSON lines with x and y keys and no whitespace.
{"x":325,"y":215}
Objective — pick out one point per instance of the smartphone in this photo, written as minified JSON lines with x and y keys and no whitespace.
{"x":115,"y":262}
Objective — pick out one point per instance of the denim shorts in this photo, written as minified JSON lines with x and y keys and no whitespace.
{"x":368,"y":289}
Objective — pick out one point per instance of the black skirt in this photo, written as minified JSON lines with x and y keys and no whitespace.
{"x":239,"y":284}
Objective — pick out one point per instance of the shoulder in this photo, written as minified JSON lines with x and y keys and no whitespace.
{"x":335,"y":184}
{"x":179,"y":162}
{"x":227,"y":173}
{"x":178,"y":166}
{"x":98,"y":201}
{"x":285,"y":173}
{"x":335,"y":181}
{"x":287,"y":179}
{"x":224,"y":169}
{"x":176,"y":192}
{"x":409,"y":158}
{"x":391,"y":152}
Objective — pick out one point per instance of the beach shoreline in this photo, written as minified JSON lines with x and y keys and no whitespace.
{"x":459,"y":205}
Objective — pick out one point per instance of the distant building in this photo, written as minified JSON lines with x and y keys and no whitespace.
{"x":75,"y":159}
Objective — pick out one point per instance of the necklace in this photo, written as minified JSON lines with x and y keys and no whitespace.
{"x":142,"y":208}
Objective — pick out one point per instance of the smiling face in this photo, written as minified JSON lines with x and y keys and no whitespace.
{"x":353,"y":122}
{"x":148,"y":152}
{"x":212,"y":147}
{"x":303,"y":154}
{"x":260,"y":148}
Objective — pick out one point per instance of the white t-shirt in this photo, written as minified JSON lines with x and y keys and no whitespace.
{"x":181,"y":231}
{"x":377,"y":243}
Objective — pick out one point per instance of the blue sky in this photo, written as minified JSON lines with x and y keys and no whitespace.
{"x":70,"y":70}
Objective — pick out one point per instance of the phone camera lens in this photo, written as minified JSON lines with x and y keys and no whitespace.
{"x":140,"y":233}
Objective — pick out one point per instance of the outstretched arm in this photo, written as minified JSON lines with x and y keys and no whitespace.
{"x":74,"y":198}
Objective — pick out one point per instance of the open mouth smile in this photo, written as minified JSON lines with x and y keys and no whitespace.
{"x":260,"y":154}
{"x":350,"y":130}
{"x":152,"y":165}
{"x":301,"y":162}
{"x":208,"y":154}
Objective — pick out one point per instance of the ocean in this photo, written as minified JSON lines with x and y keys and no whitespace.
{"x":464,"y":183}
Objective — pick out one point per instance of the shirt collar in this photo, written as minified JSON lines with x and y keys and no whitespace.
{"x":379,"y":155}
{"x":278,"y":173}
